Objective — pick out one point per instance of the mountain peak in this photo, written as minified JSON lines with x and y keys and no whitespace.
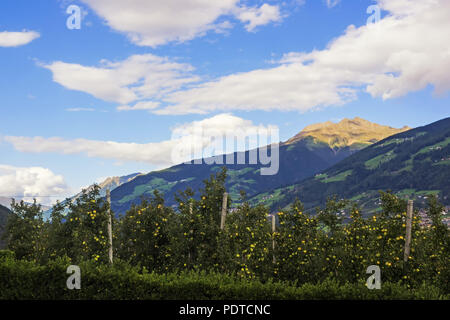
{"x":113,"y":182}
{"x":347,"y":132}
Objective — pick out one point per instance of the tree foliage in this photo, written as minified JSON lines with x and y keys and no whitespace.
{"x":336,"y":242}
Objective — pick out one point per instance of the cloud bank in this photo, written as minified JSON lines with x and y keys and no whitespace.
{"x":404,"y":52}
{"x":154,"y":23}
{"x":197,"y":134}
{"x":138,"y":77}
{"x":31,"y":182}
{"x":16,"y":39}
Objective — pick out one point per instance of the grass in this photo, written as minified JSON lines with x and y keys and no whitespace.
{"x":399,"y":141}
{"x":377,"y":161}
{"x":275,"y":196}
{"x":442,"y":163}
{"x":321,"y":176}
{"x":339,"y":177}
{"x":156,"y":183}
{"x":406,"y":192}
{"x":290,"y":148}
{"x":441,"y":144}
{"x":234,"y":174}
{"x":428,"y":192}
{"x":407,"y":168}
{"x":414,"y":192}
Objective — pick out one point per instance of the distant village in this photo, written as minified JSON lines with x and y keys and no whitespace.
{"x":425,"y":220}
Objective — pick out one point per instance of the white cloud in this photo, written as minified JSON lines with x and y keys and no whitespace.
{"x":255,"y":17}
{"x":15,"y":39}
{"x":332,"y":3}
{"x":287,"y":87}
{"x":138,"y":77}
{"x":153,"y":23}
{"x":80,"y":109}
{"x":31,"y":182}
{"x":143,"y":105}
{"x":197,"y":134}
{"x":404,"y":52}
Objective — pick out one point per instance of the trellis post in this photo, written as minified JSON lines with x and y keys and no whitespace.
{"x":191,"y":231}
{"x":409,"y":214}
{"x":110,"y":253}
{"x":273,"y":238}
{"x":224,"y":211}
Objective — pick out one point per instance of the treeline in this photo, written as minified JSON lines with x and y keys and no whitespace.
{"x":335,"y":243}
{"x":4,"y":212}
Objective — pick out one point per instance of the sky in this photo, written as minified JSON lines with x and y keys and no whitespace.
{"x":96,"y":88}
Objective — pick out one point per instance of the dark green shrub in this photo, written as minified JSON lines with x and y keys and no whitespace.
{"x":26,"y":280}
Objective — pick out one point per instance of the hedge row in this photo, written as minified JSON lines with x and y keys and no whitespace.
{"x":26,"y":280}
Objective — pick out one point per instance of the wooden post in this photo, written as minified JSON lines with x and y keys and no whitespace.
{"x":108,"y":199}
{"x":409,"y":213}
{"x":191,"y":232}
{"x":273,"y":238}
{"x":224,"y":211}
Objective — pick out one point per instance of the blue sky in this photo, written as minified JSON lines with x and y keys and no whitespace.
{"x":283,"y":63}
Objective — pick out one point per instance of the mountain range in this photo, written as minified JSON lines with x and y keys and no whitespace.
{"x":110,"y":183}
{"x":6,"y":202}
{"x":411,"y":164}
{"x":352,"y":159}
{"x":313,"y":150}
